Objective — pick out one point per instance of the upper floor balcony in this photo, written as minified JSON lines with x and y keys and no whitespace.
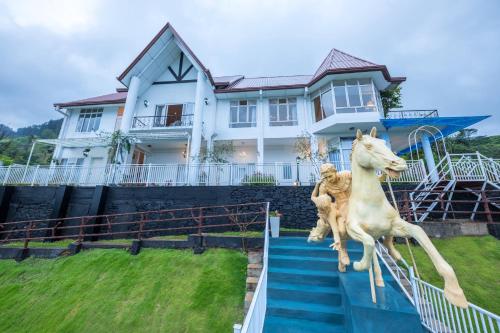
{"x":411,"y":114}
{"x":166,"y":117}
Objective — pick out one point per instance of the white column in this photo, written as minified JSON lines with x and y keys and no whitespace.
{"x":197,"y":119}
{"x":128,"y":112}
{"x":261,"y":121}
{"x":429,"y":158}
{"x":62,"y":134}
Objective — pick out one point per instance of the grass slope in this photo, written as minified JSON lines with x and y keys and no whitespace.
{"x":476,"y":261}
{"x":112,"y":291}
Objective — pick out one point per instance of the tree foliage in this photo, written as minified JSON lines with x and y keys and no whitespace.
{"x":391,"y":99}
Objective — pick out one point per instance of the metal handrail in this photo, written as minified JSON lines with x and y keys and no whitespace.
{"x":408,"y":114}
{"x":141,"y":122}
{"x":254,"y":319}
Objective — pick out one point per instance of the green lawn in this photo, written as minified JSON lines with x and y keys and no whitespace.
{"x":36,"y":244}
{"x":113,"y":291}
{"x":476,"y":261}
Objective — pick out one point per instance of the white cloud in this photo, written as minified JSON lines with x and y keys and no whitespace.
{"x":57,"y":16}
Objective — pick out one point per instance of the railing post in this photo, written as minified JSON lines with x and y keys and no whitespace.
{"x":422,"y":168}
{"x":230,"y":173}
{"x":149,"y":172}
{"x":450,"y":166}
{"x":276,"y":173}
{"x":34,"y":175}
{"x":485,"y":177}
{"x":487,"y":210}
{"x":414,"y":291}
{"x":237,"y":328}
{"x":7,"y":175}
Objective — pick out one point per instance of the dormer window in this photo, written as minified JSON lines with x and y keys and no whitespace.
{"x":89,"y":120}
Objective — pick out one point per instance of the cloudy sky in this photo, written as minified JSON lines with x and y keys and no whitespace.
{"x":57,"y":50}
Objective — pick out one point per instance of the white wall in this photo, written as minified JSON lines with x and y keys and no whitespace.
{"x":74,"y":153}
{"x":277,"y":153}
{"x":164,"y":94}
{"x":165,"y":156}
{"x":107,"y":122}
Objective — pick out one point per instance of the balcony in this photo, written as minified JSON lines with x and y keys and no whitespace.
{"x":158,"y":122}
{"x":411,"y":114}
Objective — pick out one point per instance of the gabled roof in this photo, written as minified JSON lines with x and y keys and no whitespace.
{"x":337,"y":62}
{"x":114,"y":98}
{"x":227,"y":80}
{"x":169,"y":27}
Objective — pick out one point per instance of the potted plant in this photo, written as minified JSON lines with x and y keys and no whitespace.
{"x":274,"y":219}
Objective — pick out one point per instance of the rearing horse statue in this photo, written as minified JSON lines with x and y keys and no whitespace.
{"x":371,"y":216}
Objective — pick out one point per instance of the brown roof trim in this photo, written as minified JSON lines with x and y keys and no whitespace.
{"x":380,"y":68}
{"x":82,"y":103}
{"x":153,"y":41}
{"x":289,"y":86}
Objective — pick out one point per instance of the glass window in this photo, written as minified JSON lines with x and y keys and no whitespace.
{"x":340,"y":96}
{"x":89,"y":120}
{"x":283,"y":112}
{"x":242,"y":113}
{"x":367,"y":96}
{"x":327,"y":103}
{"x":353,"y":92}
{"x":318,"y":113}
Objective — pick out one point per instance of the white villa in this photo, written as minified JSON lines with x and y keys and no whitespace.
{"x":173,"y":110}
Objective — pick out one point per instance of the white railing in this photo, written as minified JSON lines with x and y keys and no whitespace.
{"x":254,"y":319}
{"x":475,"y":167}
{"x":396,"y":271}
{"x":436,"y":313}
{"x":439,"y":315}
{"x":210,"y":174}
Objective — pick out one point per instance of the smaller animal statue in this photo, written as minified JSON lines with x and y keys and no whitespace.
{"x":332,"y":186}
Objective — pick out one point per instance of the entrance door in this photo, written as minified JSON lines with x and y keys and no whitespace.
{"x":174,"y":115}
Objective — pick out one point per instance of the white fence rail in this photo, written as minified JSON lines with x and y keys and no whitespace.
{"x":439,"y":315}
{"x":254,"y":320}
{"x":280,"y":173}
{"x":436,"y":313}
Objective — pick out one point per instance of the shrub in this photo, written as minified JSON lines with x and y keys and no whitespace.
{"x":258,"y":179}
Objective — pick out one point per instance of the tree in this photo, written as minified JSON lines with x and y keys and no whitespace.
{"x":218,"y":153}
{"x":305,"y":152}
{"x":391,"y":99}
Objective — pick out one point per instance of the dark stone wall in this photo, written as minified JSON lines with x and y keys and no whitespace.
{"x":294,"y":203}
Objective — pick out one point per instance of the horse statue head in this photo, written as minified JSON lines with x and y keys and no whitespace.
{"x":372,"y":153}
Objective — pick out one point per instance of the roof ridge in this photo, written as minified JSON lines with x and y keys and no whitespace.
{"x":350,"y":55}
{"x":269,"y":77}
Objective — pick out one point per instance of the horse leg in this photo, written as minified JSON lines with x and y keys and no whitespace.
{"x":357,"y":233}
{"x":379,"y":281}
{"x":388,"y":243}
{"x":452,"y":290}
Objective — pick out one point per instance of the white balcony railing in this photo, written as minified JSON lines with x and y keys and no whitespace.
{"x":209,"y":174}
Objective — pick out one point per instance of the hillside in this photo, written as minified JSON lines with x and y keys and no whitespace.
{"x":15,"y":145}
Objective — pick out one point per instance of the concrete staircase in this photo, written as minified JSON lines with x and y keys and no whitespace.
{"x":303,"y":287}
{"x":306,"y":293}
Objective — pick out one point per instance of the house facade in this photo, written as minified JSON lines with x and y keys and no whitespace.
{"x":174,"y":113}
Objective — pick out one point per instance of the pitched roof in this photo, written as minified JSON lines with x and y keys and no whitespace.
{"x":114,"y":98}
{"x":226,"y":80}
{"x":166,"y":27}
{"x":337,"y":62}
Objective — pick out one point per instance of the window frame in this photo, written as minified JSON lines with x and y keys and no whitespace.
{"x":238,"y":108}
{"x":338,"y":109}
{"x":87,"y":120}
{"x":288,"y":121}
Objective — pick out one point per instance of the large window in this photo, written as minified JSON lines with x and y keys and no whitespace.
{"x":243,"y":113}
{"x":348,"y":96}
{"x":89,"y":120}
{"x":283,"y":111}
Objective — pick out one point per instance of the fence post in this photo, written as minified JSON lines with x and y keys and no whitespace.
{"x":230,"y":173}
{"x":34,"y":175}
{"x":414,"y":289}
{"x":149,"y":172}
{"x":481,"y":166}
{"x":487,"y":210}
{"x":406,"y":204}
{"x":7,"y":175}
{"x":276,"y":173}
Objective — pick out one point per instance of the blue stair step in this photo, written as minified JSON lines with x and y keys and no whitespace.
{"x":278,"y":324}
{"x":305,"y":310}
{"x":304,"y":262}
{"x":277,"y":274}
{"x":304,"y":293}
{"x":302,"y":241}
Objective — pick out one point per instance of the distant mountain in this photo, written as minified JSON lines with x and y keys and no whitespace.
{"x":47,"y":130}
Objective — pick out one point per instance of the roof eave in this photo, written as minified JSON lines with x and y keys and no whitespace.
{"x":381,"y":68}
{"x":67,"y":105}
{"x":232,"y":90}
